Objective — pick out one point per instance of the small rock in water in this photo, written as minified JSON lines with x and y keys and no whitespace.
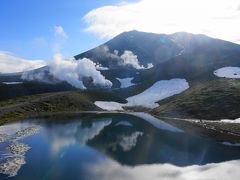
{"x":3,"y":137}
{"x":28,"y":131}
{"x":18,"y":148}
{"x":12,"y":166}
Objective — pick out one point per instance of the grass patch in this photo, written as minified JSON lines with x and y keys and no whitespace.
{"x":215,"y":99}
{"x":40,"y":104}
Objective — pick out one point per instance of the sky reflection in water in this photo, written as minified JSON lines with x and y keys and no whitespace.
{"x":118,"y":146}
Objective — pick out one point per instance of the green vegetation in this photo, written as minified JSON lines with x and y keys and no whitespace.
{"x":32,"y":106}
{"x":47,"y":103}
{"x":20,"y":99}
{"x":211,"y":100}
{"x":30,"y":88}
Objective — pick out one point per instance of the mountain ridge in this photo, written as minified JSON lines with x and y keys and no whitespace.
{"x":142,"y":39}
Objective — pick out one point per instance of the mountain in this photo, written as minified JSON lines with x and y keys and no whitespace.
{"x":156,"y":48}
{"x":193,"y":57}
{"x":149,"y":47}
{"x":180,"y":55}
{"x":176,"y":55}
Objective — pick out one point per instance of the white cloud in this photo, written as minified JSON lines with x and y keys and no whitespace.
{"x":65,"y":135}
{"x":59,"y":31}
{"x":217,"y":18}
{"x":10,"y":63}
{"x":110,"y":169}
{"x":127,"y":142}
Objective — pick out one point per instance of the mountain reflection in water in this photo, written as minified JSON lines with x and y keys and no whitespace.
{"x":117,"y":146}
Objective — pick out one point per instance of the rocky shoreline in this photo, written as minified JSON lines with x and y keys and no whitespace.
{"x":13,"y":156}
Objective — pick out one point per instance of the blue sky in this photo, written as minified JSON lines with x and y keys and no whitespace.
{"x":27,"y":26}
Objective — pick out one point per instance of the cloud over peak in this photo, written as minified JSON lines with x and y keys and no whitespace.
{"x":217,"y":18}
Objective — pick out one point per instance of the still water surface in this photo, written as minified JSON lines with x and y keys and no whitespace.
{"x":113,"y":146}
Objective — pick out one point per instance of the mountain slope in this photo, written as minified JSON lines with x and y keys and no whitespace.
{"x":50,"y":103}
{"x":149,"y":47}
{"x":210,"y":100}
{"x":157,"y":48}
{"x":179,"y":55}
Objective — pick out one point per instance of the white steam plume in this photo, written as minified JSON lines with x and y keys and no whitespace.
{"x":130,"y":59}
{"x":60,"y":37}
{"x":74,"y":71}
{"x":33,"y":76}
{"x":68,"y":70}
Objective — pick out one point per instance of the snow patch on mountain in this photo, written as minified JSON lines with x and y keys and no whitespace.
{"x":231,"y":144}
{"x":10,"y":83}
{"x":99,"y":67}
{"x":125,"y":82}
{"x":158,"y":91}
{"x":109,"y":105}
{"x":148,"y":98}
{"x":230,"y":121}
{"x":228,"y":72}
{"x":180,"y":53}
{"x":124,"y":123}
